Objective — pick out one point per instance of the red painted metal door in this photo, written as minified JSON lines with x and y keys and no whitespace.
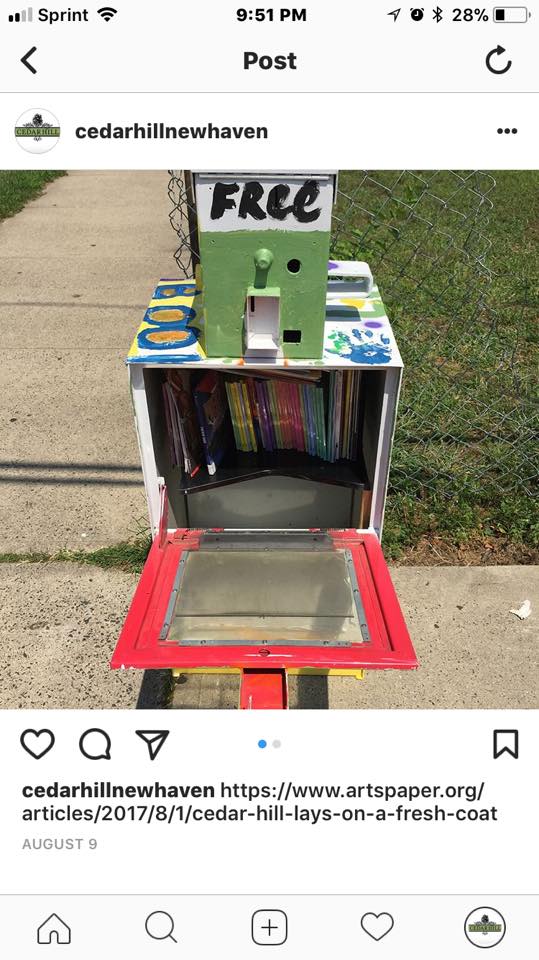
{"x":265,"y":601}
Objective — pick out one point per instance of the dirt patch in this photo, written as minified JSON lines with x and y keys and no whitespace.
{"x":436,"y":552}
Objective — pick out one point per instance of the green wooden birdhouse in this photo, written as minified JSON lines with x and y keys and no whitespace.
{"x":264,"y":248}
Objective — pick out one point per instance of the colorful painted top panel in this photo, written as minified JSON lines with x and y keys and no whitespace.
{"x":357,"y":333}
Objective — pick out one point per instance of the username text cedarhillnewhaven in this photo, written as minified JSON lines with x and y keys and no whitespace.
{"x":162,"y":131}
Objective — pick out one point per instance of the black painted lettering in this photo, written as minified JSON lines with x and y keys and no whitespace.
{"x":222,"y":199}
{"x":252,"y":192}
{"x":306,"y":195}
{"x":276,"y":200}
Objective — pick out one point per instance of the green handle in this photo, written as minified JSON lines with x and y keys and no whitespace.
{"x":263,"y":259}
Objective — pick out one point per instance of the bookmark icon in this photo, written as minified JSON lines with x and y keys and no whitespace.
{"x":154,"y":740}
{"x":506,"y":741}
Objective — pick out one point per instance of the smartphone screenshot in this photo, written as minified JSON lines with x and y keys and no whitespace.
{"x":269,"y":526}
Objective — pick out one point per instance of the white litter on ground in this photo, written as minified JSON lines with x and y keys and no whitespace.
{"x":523,"y":611}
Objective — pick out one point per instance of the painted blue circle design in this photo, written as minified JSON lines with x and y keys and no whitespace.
{"x":262,"y":744}
{"x":186,"y":339}
{"x":156,"y":337}
{"x":187,"y":314}
{"x":168,"y":290}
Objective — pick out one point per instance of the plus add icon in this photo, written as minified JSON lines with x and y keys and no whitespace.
{"x":269,"y":927}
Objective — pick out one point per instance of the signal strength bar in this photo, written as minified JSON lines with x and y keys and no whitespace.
{"x":25,"y":16}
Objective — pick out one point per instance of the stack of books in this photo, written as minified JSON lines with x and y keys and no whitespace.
{"x":312,"y":412}
{"x":277,"y":414}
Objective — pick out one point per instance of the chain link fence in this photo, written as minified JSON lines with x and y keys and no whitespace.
{"x":465,"y":463}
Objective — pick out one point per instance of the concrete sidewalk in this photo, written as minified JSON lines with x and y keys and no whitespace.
{"x":59,"y":624}
{"x":77,"y":269}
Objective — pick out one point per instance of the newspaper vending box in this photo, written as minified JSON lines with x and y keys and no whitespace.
{"x":265,"y":392}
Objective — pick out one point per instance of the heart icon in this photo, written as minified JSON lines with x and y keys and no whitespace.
{"x":377,"y":925}
{"x":37,"y":742}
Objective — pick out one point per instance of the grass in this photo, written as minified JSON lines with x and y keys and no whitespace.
{"x":17,"y":187}
{"x":129,"y":556}
{"x":463,"y":298}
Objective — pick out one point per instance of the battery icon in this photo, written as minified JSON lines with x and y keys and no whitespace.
{"x":511,"y":15}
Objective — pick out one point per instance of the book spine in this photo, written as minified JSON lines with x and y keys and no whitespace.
{"x":283,"y":393}
{"x":269,"y":418}
{"x":319,"y":423}
{"x":273,"y":414}
{"x":255,"y":412}
{"x":337,"y":415}
{"x":291,"y":415}
{"x":261,"y":414}
{"x":233,"y":417}
{"x":319,"y":394}
{"x":178,"y":452}
{"x":301,"y":392}
{"x":243,"y":418}
{"x":305,"y":412}
{"x":310,"y":421}
{"x":249,"y":417}
{"x":199,"y":406}
{"x":169,"y":426}
{"x":329,"y":430}
{"x":355,"y":418}
{"x":300,"y":445}
{"x":279,"y":412}
{"x":346,"y":409}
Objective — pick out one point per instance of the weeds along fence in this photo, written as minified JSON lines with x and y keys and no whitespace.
{"x":465,"y":457}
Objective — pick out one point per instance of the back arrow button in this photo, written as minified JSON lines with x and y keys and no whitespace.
{"x":26,"y":58}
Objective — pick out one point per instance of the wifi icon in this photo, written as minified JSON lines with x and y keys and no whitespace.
{"x":107,"y":13}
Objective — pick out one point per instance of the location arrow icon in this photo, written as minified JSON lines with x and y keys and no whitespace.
{"x":394,"y":13}
{"x":154,"y":740}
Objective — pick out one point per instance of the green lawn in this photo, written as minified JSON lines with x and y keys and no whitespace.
{"x":17,"y":187}
{"x":465,"y":456}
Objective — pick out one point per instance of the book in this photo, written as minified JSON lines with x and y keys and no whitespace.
{"x":213,"y":417}
{"x":267,"y":406}
{"x":319,"y":398}
{"x":337,"y":414}
{"x":329,"y":429}
{"x":182,"y":415}
{"x":229,"y":387}
{"x":275,"y":415}
{"x":294,"y":387}
{"x":249,"y":417}
{"x":170,"y":418}
{"x":265,"y":431}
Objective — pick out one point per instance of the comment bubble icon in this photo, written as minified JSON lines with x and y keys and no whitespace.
{"x":95,"y":744}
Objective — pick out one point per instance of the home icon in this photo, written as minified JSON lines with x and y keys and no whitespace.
{"x":54,"y":930}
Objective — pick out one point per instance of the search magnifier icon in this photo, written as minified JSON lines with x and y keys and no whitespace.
{"x":160,"y":926}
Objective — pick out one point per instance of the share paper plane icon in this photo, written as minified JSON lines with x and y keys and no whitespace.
{"x":154,"y":740}
{"x":394,"y":14}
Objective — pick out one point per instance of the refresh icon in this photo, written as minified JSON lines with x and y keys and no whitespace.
{"x":497,"y":52}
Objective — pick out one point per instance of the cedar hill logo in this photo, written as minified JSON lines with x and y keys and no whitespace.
{"x":484,"y":927}
{"x":37,"y":131}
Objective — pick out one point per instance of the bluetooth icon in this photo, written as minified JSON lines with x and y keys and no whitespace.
{"x":438,"y":14}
